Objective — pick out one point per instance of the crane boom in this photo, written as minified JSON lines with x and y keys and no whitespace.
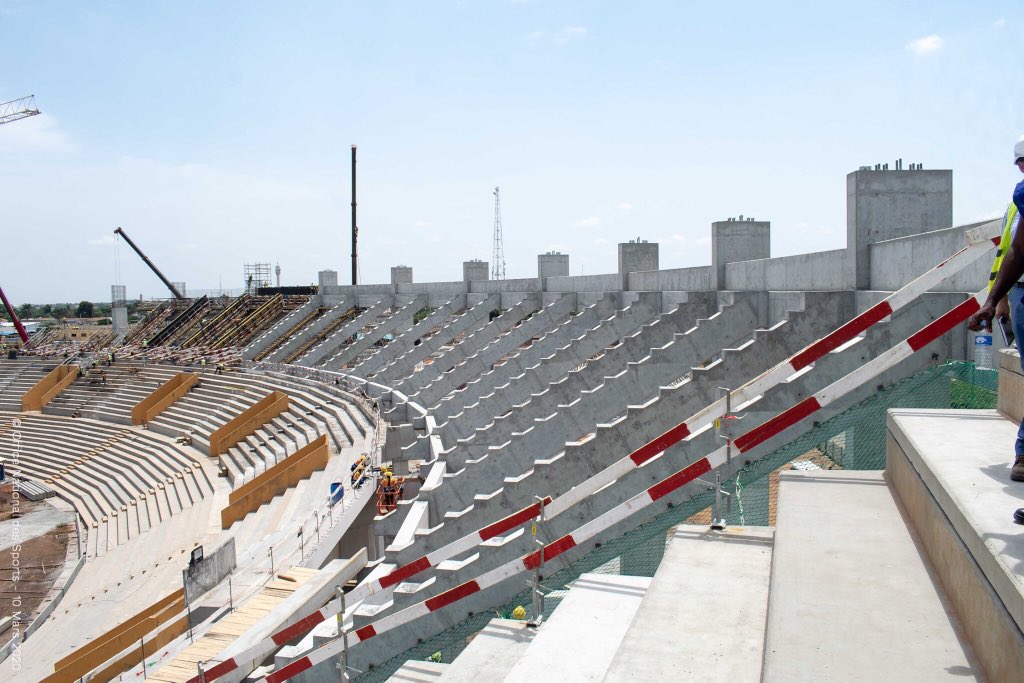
{"x":152,"y":266}
{"x":14,"y":318}
{"x":20,"y":108}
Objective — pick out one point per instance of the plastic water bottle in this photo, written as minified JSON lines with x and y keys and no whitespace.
{"x":983,"y":349}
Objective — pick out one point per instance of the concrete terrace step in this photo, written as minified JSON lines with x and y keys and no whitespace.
{"x":851,"y":597}
{"x":703,"y":615}
{"x":950,"y":471}
{"x":580,"y":639}
{"x":493,"y":651}
{"x":406,"y":339}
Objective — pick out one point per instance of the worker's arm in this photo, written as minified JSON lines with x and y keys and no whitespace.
{"x":1009,"y":273}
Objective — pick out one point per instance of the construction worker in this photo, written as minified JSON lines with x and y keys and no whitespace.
{"x":1009,"y":286}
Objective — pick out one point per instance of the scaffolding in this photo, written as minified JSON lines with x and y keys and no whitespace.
{"x":256,"y":275}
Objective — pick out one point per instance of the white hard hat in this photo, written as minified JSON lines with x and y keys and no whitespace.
{"x":1018,"y":149}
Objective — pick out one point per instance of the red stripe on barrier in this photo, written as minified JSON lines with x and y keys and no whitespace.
{"x":652,"y":448}
{"x":450,"y":596}
{"x":403,"y":573}
{"x":551,"y":551}
{"x":366,"y":632}
{"x":841,"y":335}
{"x":512,"y":521}
{"x":778,"y":423}
{"x":943,"y":324}
{"x":683,"y":476}
{"x":216,"y":671}
{"x":297,"y":629}
{"x":296,"y":667}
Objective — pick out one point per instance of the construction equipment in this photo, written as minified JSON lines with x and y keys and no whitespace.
{"x":20,"y":108}
{"x":14,"y":318}
{"x":152,"y":266}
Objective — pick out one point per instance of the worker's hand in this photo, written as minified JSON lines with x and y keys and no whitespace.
{"x":982,"y":319}
{"x":1003,"y":309}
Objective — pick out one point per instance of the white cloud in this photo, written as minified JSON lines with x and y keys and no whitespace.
{"x":536,"y":35}
{"x":421,"y":224}
{"x":999,"y":23}
{"x":569,"y":33}
{"x":588,"y":222}
{"x":102,"y":241}
{"x":40,"y":133}
{"x":926,"y":45}
{"x":623,"y":206}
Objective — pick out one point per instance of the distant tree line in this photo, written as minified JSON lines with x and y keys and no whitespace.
{"x":83,"y":309}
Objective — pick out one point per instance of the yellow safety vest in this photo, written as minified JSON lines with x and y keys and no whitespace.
{"x":1004,"y":242}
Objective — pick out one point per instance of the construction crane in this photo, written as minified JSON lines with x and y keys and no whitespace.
{"x":20,"y":108}
{"x":12,"y":111}
{"x":152,"y":266}
{"x":498,"y":258}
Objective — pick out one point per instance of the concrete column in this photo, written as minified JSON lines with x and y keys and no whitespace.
{"x":118,"y":310}
{"x":737,"y":239}
{"x":327,"y":278}
{"x":884,"y":204}
{"x":636,"y":257}
{"x":551,"y":264}
{"x":475,"y":271}
{"x":401,"y":275}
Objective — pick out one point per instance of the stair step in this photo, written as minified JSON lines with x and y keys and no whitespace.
{"x":493,"y":651}
{"x":580,"y":639}
{"x":851,"y":597}
{"x":715,"y":581}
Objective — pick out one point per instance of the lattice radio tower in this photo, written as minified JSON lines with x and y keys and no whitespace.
{"x":498,"y":258}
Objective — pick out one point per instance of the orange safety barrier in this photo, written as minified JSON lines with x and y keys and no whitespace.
{"x":49,"y":387}
{"x":162,"y":398}
{"x":267,"y":408}
{"x":275,"y":481}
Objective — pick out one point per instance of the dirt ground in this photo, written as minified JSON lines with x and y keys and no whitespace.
{"x":6,"y":495}
{"x":27,"y":573}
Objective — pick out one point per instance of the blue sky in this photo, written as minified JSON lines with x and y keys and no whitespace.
{"x":218,"y":133}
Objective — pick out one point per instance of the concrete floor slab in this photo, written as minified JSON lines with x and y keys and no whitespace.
{"x":851,"y":596}
{"x":703,"y":616}
{"x":580,"y":639}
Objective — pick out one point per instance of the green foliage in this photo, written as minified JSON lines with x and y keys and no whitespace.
{"x":84,"y":310}
{"x":421,"y":314}
{"x":103,"y":321}
{"x":26,"y":311}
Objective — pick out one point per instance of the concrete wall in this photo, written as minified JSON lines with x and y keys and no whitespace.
{"x":672,"y":280}
{"x":822,"y":270}
{"x":896,"y":262}
{"x":584,"y":283}
{"x":883,"y":205}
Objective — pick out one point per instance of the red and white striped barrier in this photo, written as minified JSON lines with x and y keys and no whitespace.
{"x":626,"y":509}
{"x":980,"y":241}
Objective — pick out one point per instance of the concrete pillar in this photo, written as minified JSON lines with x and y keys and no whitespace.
{"x":327,"y":278}
{"x":401,"y":275}
{"x":737,"y":239}
{"x":475,"y":270}
{"x":118,"y":310}
{"x":884,"y":204}
{"x":636,"y":257}
{"x":551,"y":264}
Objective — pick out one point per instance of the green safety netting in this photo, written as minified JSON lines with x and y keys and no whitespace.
{"x":853,"y":439}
